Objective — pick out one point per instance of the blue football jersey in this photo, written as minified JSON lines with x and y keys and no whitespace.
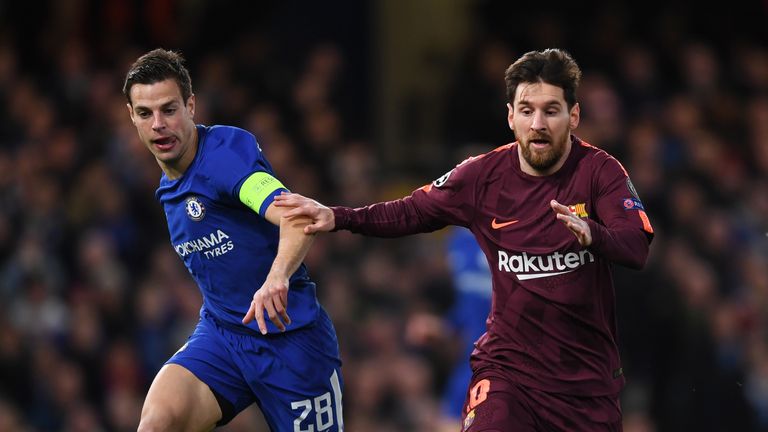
{"x":227,"y":247}
{"x":472,"y":280}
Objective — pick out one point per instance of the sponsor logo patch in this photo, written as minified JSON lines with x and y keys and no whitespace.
{"x":195,"y":209}
{"x":211,"y":245}
{"x":632,"y":204}
{"x":527,"y":267}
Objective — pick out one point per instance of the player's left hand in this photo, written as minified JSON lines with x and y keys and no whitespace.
{"x":272,"y":297}
{"x":577,"y":225}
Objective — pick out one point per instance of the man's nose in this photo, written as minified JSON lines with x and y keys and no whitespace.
{"x":538,"y":121}
{"x":158,"y":122}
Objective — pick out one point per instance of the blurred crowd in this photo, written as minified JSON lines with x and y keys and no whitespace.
{"x":93,"y":299}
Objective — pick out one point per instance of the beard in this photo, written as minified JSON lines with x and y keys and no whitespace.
{"x":542,"y":160}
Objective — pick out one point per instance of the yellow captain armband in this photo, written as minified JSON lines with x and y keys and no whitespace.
{"x":257,"y":188}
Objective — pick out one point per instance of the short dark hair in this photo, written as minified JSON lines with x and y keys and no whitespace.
{"x":155,"y":66}
{"x":552,"y":66}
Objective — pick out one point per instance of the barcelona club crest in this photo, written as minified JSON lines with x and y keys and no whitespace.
{"x":195,"y":209}
{"x":579,"y":209}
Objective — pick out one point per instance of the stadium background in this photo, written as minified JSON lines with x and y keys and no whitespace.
{"x":360,"y":101}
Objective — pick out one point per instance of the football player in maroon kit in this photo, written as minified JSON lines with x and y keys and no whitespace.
{"x":552,"y":214}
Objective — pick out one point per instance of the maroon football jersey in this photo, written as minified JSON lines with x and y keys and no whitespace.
{"x":552,"y":323}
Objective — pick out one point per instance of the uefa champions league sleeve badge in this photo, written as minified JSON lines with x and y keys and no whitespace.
{"x":195,"y":208}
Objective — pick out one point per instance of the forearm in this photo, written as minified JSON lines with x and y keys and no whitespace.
{"x":293,"y":247}
{"x":386,"y":219}
{"x":625,"y":246}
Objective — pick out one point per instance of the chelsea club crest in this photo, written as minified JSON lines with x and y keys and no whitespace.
{"x":195,"y":208}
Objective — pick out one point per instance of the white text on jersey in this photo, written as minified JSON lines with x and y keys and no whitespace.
{"x":540,"y":266}
{"x":211,"y":245}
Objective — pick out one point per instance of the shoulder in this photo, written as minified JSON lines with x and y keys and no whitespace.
{"x":492,"y":165}
{"x":476,"y":168}
{"x":230,"y":142}
{"x":489,"y":160}
{"x":223,"y":135}
{"x":597,"y":158}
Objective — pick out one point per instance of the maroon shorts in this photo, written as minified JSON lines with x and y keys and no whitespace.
{"x":494,"y":403}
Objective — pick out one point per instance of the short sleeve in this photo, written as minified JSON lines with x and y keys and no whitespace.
{"x":237,"y":158}
{"x":259,"y":190}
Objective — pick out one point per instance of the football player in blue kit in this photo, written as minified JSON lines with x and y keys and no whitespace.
{"x":217,"y":190}
{"x":464,"y":322}
{"x":467,"y":317}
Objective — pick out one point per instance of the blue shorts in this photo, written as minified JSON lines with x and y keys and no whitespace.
{"x":294,"y":377}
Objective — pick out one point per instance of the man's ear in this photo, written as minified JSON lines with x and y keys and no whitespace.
{"x":130,"y":112}
{"x":575,"y":115}
{"x":510,"y":116}
{"x":191,"y":105}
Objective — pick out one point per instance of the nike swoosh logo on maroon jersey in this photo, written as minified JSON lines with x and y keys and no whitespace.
{"x":541,"y":275}
{"x":496,"y":225}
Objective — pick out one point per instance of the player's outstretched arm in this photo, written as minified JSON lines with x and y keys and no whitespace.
{"x":578,"y":226}
{"x":322,"y":218}
{"x":273,"y":294}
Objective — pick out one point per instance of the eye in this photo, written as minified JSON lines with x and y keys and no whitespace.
{"x":169,"y":111}
{"x":526,"y":111}
{"x":144,"y":114}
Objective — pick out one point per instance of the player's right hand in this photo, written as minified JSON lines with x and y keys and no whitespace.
{"x":272,"y":297}
{"x":577,"y":225}
{"x":323,"y":219}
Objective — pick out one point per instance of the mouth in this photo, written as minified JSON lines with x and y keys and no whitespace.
{"x":164,"y":143}
{"x":539,"y":143}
